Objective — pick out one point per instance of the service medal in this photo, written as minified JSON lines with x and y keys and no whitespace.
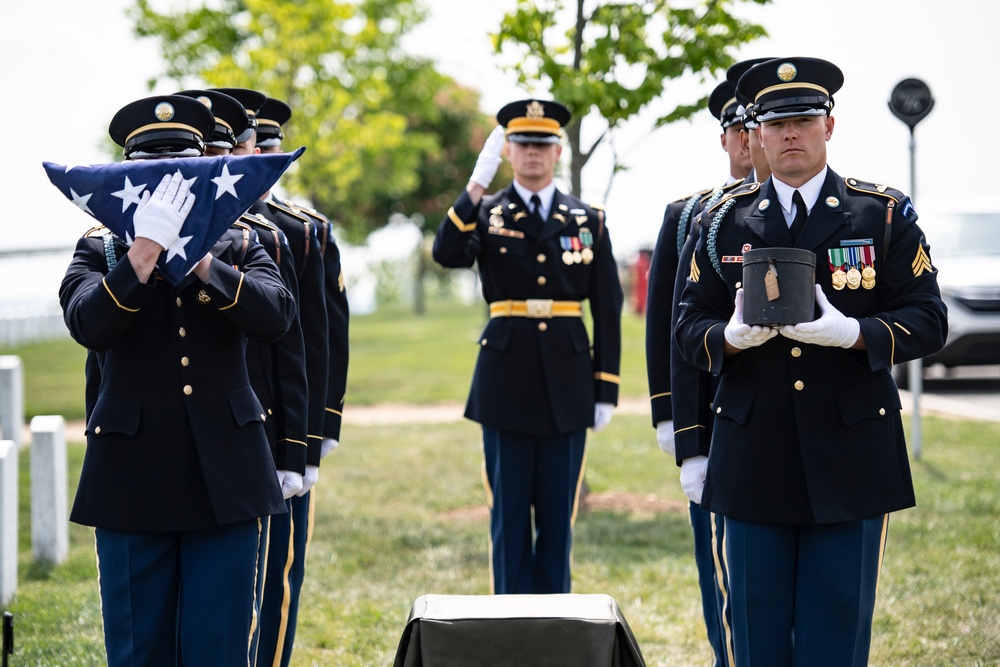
{"x":838,"y":260}
{"x":839,"y":279}
{"x":567,"y":245}
{"x":588,"y":255}
{"x":853,"y":278}
{"x":868,"y":272}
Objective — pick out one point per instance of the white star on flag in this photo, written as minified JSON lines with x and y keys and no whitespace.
{"x":130,"y":194}
{"x":81,"y":202}
{"x":225,"y":182}
{"x":177,"y":248}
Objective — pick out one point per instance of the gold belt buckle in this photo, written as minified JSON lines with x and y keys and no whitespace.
{"x":538,"y":308}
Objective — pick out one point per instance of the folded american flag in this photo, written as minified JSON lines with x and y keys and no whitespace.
{"x":224,"y":188}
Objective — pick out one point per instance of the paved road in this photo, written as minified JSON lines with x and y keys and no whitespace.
{"x":964,"y":392}
{"x":975,"y":395}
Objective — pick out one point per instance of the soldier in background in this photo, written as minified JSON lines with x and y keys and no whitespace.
{"x":537,"y":385}
{"x":680,"y":395}
{"x":324,"y":314}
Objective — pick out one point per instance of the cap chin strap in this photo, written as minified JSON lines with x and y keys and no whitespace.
{"x":789,"y":113}
{"x":145,"y":155}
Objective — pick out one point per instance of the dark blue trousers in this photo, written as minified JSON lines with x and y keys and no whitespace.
{"x":178,"y":598}
{"x":283,"y":573}
{"x":803,"y":595}
{"x":703,"y":527}
{"x":524,"y":473}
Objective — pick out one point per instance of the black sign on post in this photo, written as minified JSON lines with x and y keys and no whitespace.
{"x":911,"y":101}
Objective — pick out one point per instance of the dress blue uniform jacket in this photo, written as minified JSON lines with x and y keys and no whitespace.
{"x":808,"y":434}
{"x":306,"y":263}
{"x":538,"y":376}
{"x":334,"y":337}
{"x":678,"y":391}
{"x":175,"y":439}
{"x":659,"y":303}
{"x":278,"y":370}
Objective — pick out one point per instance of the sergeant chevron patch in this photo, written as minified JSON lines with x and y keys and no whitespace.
{"x":695,"y":273}
{"x":921,"y":262}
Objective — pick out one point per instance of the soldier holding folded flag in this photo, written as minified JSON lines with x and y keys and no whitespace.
{"x":177,"y":473}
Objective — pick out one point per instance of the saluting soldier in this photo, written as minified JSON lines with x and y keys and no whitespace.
{"x":177,"y":472}
{"x":807,"y":455}
{"x":538,"y":383}
{"x":680,"y":394}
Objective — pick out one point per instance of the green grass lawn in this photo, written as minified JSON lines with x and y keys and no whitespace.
{"x":400,"y":513}
{"x":396,"y":357}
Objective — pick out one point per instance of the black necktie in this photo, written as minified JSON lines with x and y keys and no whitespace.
{"x":536,"y":206}
{"x":800,"y":215}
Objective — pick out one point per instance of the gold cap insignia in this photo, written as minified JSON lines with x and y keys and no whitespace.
{"x":787,"y":71}
{"x":205,"y":100}
{"x":535,"y":110}
{"x":164,"y":111}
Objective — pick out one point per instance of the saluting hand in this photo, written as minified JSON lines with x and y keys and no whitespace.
{"x":489,"y":159}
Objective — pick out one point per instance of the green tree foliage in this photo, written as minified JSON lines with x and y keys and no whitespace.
{"x":616,"y":56}
{"x":384,"y":131}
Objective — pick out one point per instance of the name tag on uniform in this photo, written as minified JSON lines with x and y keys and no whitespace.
{"x":503,"y":231}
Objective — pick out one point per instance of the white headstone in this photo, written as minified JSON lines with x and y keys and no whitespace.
{"x":8,"y":521}
{"x":49,"y":513}
{"x":11,"y":398}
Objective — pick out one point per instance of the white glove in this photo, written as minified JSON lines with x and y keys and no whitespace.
{"x":489,"y":159}
{"x":602,"y":415}
{"x":665,"y":436}
{"x":290,"y":482}
{"x":832,"y":329}
{"x":159,"y":216}
{"x":743,"y":336}
{"x":309,"y":480}
{"x":693,"y":477}
{"x":328,"y":445}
